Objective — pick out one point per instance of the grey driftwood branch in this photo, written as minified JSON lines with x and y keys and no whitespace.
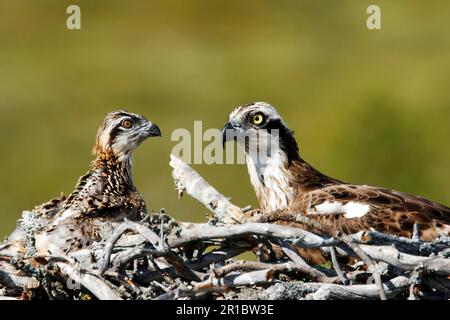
{"x":92,"y":283}
{"x":160,"y":258}
{"x":321,"y":291}
{"x":188,"y":180}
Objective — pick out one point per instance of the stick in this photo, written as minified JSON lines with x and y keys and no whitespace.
{"x":260,"y":277}
{"x":403,"y":261}
{"x":275,"y":268}
{"x":368,"y":261}
{"x":336,"y":266}
{"x":124,"y":227}
{"x":405,"y":245}
{"x":191,"y":232}
{"x":323,"y":291}
{"x":391,"y":289}
{"x":187,"y":179}
{"x":216,"y":256}
{"x":416,"y":233}
{"x":96,"y":286}
{"x":313,"y":273}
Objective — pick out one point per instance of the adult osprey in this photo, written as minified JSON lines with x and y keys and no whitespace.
{"x":284,"y":181}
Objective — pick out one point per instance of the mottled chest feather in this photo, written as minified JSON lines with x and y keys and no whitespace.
{"x":105,"y":194}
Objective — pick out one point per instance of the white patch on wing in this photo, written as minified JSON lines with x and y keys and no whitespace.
{"x":329,"y":208}
{"x":355,"y":210}
{"x":349,"y":210}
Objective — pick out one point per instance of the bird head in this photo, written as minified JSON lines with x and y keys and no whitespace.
{"x":121,"y":133}
{"x":259,"y":125}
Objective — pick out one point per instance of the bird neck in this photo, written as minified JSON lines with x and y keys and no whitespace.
{"x":114,"y":171}
{"x":108,"y":177}
{"x":283,"y":176}
{"x":271,"y":180}
{"x":306,"y":178}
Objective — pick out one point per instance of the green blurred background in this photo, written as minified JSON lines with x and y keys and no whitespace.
{"x":367,"y":106}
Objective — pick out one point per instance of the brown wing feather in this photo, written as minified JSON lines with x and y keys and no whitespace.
{"x":390,"y":211}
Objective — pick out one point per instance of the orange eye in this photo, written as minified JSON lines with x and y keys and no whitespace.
{"x":127,"y":124}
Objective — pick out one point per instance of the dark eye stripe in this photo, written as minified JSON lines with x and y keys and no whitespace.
{"x":114,"y":133}
{"x":273,"y":124}
{"x":286,"y":135}
{"x":118,"y":128}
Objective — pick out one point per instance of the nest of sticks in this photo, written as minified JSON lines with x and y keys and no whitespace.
{"x":160,"y":258}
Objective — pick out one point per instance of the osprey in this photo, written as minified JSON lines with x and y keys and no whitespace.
{"x":283,"y":181}
{"x":105,"y":194}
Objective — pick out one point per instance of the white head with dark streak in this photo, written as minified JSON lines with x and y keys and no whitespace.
{"x":121,"y":133}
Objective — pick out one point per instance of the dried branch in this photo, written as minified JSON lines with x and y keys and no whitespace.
{"x":336,"y":266}
{"x":368,"y":261}
{"x":391,"y":289}
{"x":94,"y":284}
{"x":313,"y":273}
{"x":192,"y":232}
{"x":410,"y":246}
{"x":265,"y":274}
{"x":188,"y":180}
{"x":390,"y":255}
{"x":124,"y":227}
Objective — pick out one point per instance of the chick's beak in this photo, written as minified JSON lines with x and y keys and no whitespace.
{"x":153,"y":130}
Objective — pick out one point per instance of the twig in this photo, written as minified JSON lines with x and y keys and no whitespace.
{"x":336,"y":266}
{"x":187,"y":179}
{"x":391,"y":289}
{"x":124,"y":227}
{"x":368,"y":261}
{"x":216,"y":256}
{"x":293,"y":217}
{"x":405,"y":245}
{"x":259,"y":277}
{"x":180,"y":267}
{"x":313,"y":273}
{"x":288,"y":267}
{"x":416,"y":233}
{"x":95,"y":285}
{"x":403,"y":261}
{"x":191,"y":232}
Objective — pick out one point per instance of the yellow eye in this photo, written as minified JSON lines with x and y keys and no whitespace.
{"x":258,"y":118}
{"x":127,"y":124}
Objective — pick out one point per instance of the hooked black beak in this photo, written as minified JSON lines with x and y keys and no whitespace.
{"x":228,"y":133}
{"x":153,"y":130}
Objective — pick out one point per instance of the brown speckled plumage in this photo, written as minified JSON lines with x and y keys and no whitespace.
{"x":106,"y":194}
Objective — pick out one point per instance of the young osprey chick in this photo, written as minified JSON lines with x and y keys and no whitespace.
{"x":105,"y":194}
{"x":284,"y":181}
